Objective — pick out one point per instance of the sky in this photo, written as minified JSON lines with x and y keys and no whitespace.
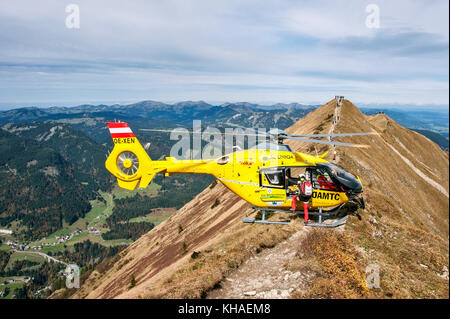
{"x":224,"y":51}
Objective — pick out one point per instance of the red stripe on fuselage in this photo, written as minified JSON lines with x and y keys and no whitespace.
{"x":115,"y":125}
{"x":116,"y":135}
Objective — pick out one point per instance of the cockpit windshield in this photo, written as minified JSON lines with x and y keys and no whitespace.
{"x":344,"y":177}
{"x":339,"y":171}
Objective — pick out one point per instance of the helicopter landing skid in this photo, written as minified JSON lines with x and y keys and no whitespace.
{"x":337,"y":223}
{"x":320,"y":214}
{"x":251,"y":220}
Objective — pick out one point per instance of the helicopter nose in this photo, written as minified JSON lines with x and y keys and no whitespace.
{"x":357,"y":187}
{"x":351,"y":183}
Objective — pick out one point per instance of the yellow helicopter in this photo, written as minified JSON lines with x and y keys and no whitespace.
{"x":264,"y":175}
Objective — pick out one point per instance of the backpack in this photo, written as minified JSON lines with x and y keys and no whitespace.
{"x":307,"y":189}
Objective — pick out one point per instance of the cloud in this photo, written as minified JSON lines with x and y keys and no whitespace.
{"x":406,"y":43}
{"x":274,"y":51}
{"x":337,"y":19}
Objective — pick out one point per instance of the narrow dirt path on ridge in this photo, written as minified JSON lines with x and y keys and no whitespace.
{"x":265,"y":275}
{"x":336,"y":119}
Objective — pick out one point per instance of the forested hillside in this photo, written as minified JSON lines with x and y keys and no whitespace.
{"x":38,"y":187}
{"x":83,"y":153}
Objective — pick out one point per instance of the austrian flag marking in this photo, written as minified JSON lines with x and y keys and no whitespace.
{"x":120,"y":130}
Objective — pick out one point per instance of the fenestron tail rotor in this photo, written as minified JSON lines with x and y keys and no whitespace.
{"x":128,"y":163}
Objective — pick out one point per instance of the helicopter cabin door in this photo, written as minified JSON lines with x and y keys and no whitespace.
{"x":272,"y":182}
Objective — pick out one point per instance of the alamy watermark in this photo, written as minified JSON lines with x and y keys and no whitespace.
{"x":73,"y":17}
{"x":72,"y":276}
{"x":373,"y":276}
{"x":212,"y":143}
{"x":373,"y":17}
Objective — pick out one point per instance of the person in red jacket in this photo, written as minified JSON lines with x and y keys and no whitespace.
{"x":325,"y":182}
{"x":304,"y":194}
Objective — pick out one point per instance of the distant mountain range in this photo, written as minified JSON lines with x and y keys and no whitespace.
{"x":90,"y":119}
{"x":182,"y":112}
{"x":152,"y":114}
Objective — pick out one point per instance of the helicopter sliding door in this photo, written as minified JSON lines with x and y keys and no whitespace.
{"x":272,"y":183}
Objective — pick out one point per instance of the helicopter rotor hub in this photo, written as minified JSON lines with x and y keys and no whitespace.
{"x":128,"y":163}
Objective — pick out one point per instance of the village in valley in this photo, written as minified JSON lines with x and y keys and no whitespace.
{"x":15,"y":246}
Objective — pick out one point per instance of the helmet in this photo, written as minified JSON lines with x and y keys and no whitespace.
{"x":325,"y":174}
{"x":301,"y":176}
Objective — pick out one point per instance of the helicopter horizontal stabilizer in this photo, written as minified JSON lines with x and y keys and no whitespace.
{"x":323,"y":155}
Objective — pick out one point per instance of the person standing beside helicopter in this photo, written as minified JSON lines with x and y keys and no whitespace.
{"x":304,"y":193}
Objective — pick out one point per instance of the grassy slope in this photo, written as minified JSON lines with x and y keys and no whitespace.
{"x":11,"y":289}
{"x":404,"y":229}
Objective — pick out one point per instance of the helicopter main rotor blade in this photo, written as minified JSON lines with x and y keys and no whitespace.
{"x":154,"y":130}
{"x":333,"y":135}
{"x":288,"y":136}
{"x":327,"y":142}
{"x":191,"y":132}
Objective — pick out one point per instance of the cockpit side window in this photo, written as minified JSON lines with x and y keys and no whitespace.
{"x":273,"y":178}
